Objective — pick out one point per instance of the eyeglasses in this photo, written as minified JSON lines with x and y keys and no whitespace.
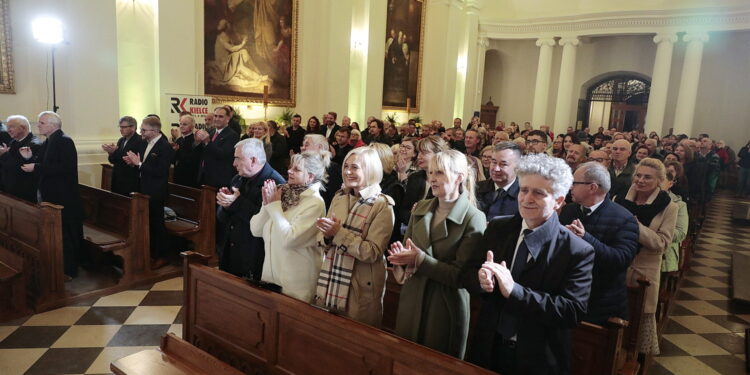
{"x":582,"y":183}
{"x":535,"y":142}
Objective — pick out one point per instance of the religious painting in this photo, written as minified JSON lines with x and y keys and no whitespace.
{"x":403,"y":54}
{"x":6,"y":57}
{"x":250,"y":49}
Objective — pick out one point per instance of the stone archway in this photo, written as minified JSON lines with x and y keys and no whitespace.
{"x":615,"y":100}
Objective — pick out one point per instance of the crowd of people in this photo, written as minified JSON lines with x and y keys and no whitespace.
{"x":549,"y":229}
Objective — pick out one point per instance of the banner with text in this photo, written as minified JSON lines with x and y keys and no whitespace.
{"x":198,"y":106}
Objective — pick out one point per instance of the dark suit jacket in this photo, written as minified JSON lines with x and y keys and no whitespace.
{"x":341,"y":153}
{"x":415,"y":186}
{"x":333,"y":184}
{"x":125,"y":177}
{"x":279,"y":154}
{"x":613,"y":232}
{"x":15,"y":181}
{"x":493,"y":206}
{"x":241,"y":253}
{"x":331,"y":138}
{"x":218,"y":155}
{"x":155,"y":169}
{"x":548,"y":299}
{"x":187,"y":161}
{"x":57,"y":169}
{"x":621,"y":183}
{"x":295,"y":139}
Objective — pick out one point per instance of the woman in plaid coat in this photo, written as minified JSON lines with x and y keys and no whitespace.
{"x":353,"y":238}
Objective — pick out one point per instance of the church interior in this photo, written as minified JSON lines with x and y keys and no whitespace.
{"x":665,"y":66}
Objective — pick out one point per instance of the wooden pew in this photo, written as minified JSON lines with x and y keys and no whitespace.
{"x":597,"y":349}
{"x":196,"y":217}
{"x":636,"y":304}
{"x":174,"y":356}
{"x":12,"y":286}
{"x":196,"y":211}
{"x":33,"y":232}
{"x":118,"y":224}
{"x":258,"y":332}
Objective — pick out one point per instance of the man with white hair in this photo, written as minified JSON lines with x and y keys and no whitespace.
{"x":611,"y":230}
{"x":241,"y":253}
{"x":56,"y":167}
{"x":538,"y":291}
{"x":318,"y":143}
{"x":15,"y":181}
{"x":621,"y":169}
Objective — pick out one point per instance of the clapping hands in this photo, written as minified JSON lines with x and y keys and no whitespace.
{"x":401,"y":255}
{"x":270,"y":192}
{"x":491,"y":272}
{"x":328,"y":226}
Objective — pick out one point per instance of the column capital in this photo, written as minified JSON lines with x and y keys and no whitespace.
{"x":569,"y":40}
{"x":549,"y":42}
{"x":473,"y":6}
{"x":699,"y":36}
{"x":665,"y":37}
{"x":483,"y":42}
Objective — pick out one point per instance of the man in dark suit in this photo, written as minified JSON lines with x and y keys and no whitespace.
{"x":342,"y":146}
{"x":188,"y":153}
{"x":241,"y":253}
{"x":56,"y":167}
{"x":498,"y":195}
{"x":330,"y":127}
{"x":612,"y":231}
{"x":218,"y":153}
{"x":539,"y":290}
{"x":621,"y":169}
{"x":124,"y":177}
{"x":318,"y":143}
{"x":17,"y":182}
{"x":296,"y":134}
{"x":153,"y":160}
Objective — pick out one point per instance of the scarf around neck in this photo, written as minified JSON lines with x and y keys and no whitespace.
{"x":290,"y":195}
{"x":646,"y":212}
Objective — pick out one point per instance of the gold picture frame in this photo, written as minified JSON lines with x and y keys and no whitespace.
{"x":404,"y":18}
{"x":7,"y":84}
{"x":256,"y":45}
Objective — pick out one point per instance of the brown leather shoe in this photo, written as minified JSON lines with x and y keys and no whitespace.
{"x":158,"y":263}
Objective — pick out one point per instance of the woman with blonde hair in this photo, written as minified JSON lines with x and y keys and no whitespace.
{"x":442,"y":240}
{"x":657,"y":217}
{"x":259,"y":130}
{"x":416,"y":184}
{"x":353,"y":238}
{"x":286,"y":221}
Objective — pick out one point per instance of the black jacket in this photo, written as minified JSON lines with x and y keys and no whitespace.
{"x":333,"y":184}
{"x":331,"y":138}
{"x":15,"y":181}
{"x":125,"y":177}
{"x":295,"y":139}
{"x":155,"y":169}
{"x":279,"y":154}
{"x":489,"y":202}
{"x":547,"y":301}
{"x":415,"y":186}
{"x":241,"y":253}
{"x":218,"y":156}
{"x":613,"y":232}
{"x":57,"y":169}
{"x":187,"y":161}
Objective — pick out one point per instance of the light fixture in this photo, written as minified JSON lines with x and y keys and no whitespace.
{"x":49,"y":30}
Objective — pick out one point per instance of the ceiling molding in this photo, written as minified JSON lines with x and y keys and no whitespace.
{"x":643,"y":22}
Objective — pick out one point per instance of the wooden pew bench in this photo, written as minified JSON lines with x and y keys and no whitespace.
{"x":12,"y":286}
{"x":118,"y":224}
{"x":261,"y":332}
{"x":33,"y":233}
{"x":174,"y":357}
{"x":196,"y":217}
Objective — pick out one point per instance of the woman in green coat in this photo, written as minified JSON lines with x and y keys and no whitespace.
{"x":442,"y":238}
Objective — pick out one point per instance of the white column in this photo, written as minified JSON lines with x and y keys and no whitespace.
{"x":691,"y":70}
{"x":657,"y":100}
{"x":469,"y":47}
{"x":541,"y":89}
{"x":482,"y":44}
{"x":564,"y":105}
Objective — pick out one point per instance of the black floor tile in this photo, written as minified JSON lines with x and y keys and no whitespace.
{"x":106,"y":315}
{"x":676,"y":328}
{"x":139,"y":335}
{"x":163,"y":298}
{"x":729,"y":322}
{"x":724,"y":364}
{"x":33,"y":337}
{"x":64,"y":361}
{"x":731,"y":342}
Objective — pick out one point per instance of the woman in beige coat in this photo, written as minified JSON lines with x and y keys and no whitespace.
{"x":656,"y":215}
{"x":353,"y":237}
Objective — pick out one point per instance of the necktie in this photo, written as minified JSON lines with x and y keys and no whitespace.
{"x":216,"y":134}
{"x":586,"y":211}
{"x":508,"y":322}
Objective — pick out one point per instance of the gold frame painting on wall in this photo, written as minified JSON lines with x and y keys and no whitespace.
{"x":6,"y":56}
{"x":404,"y":44}
{"x":250,"y":51}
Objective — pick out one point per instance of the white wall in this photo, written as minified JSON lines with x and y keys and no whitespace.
{"x":509,"y":78}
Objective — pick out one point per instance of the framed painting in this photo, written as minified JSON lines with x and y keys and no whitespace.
{"x":250,"y":50}
{"x":6,"y":55}
{"x":403,"y":54}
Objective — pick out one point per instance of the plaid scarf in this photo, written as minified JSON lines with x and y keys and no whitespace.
{"x":335,"y":276}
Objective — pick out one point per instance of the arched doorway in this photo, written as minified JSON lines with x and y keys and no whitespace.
{"x":616,"y":101}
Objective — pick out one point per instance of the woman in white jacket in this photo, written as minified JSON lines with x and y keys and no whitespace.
{"x":287,"y":224}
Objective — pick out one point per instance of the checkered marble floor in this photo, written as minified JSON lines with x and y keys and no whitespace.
{"x":85,"y":338}
{"x":705,"y":332}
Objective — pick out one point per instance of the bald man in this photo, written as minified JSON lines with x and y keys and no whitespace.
{"x":575,"y":156}
{"x":600,"y":157}
{"x":15,"y":181}
{"x":621,"y":168}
